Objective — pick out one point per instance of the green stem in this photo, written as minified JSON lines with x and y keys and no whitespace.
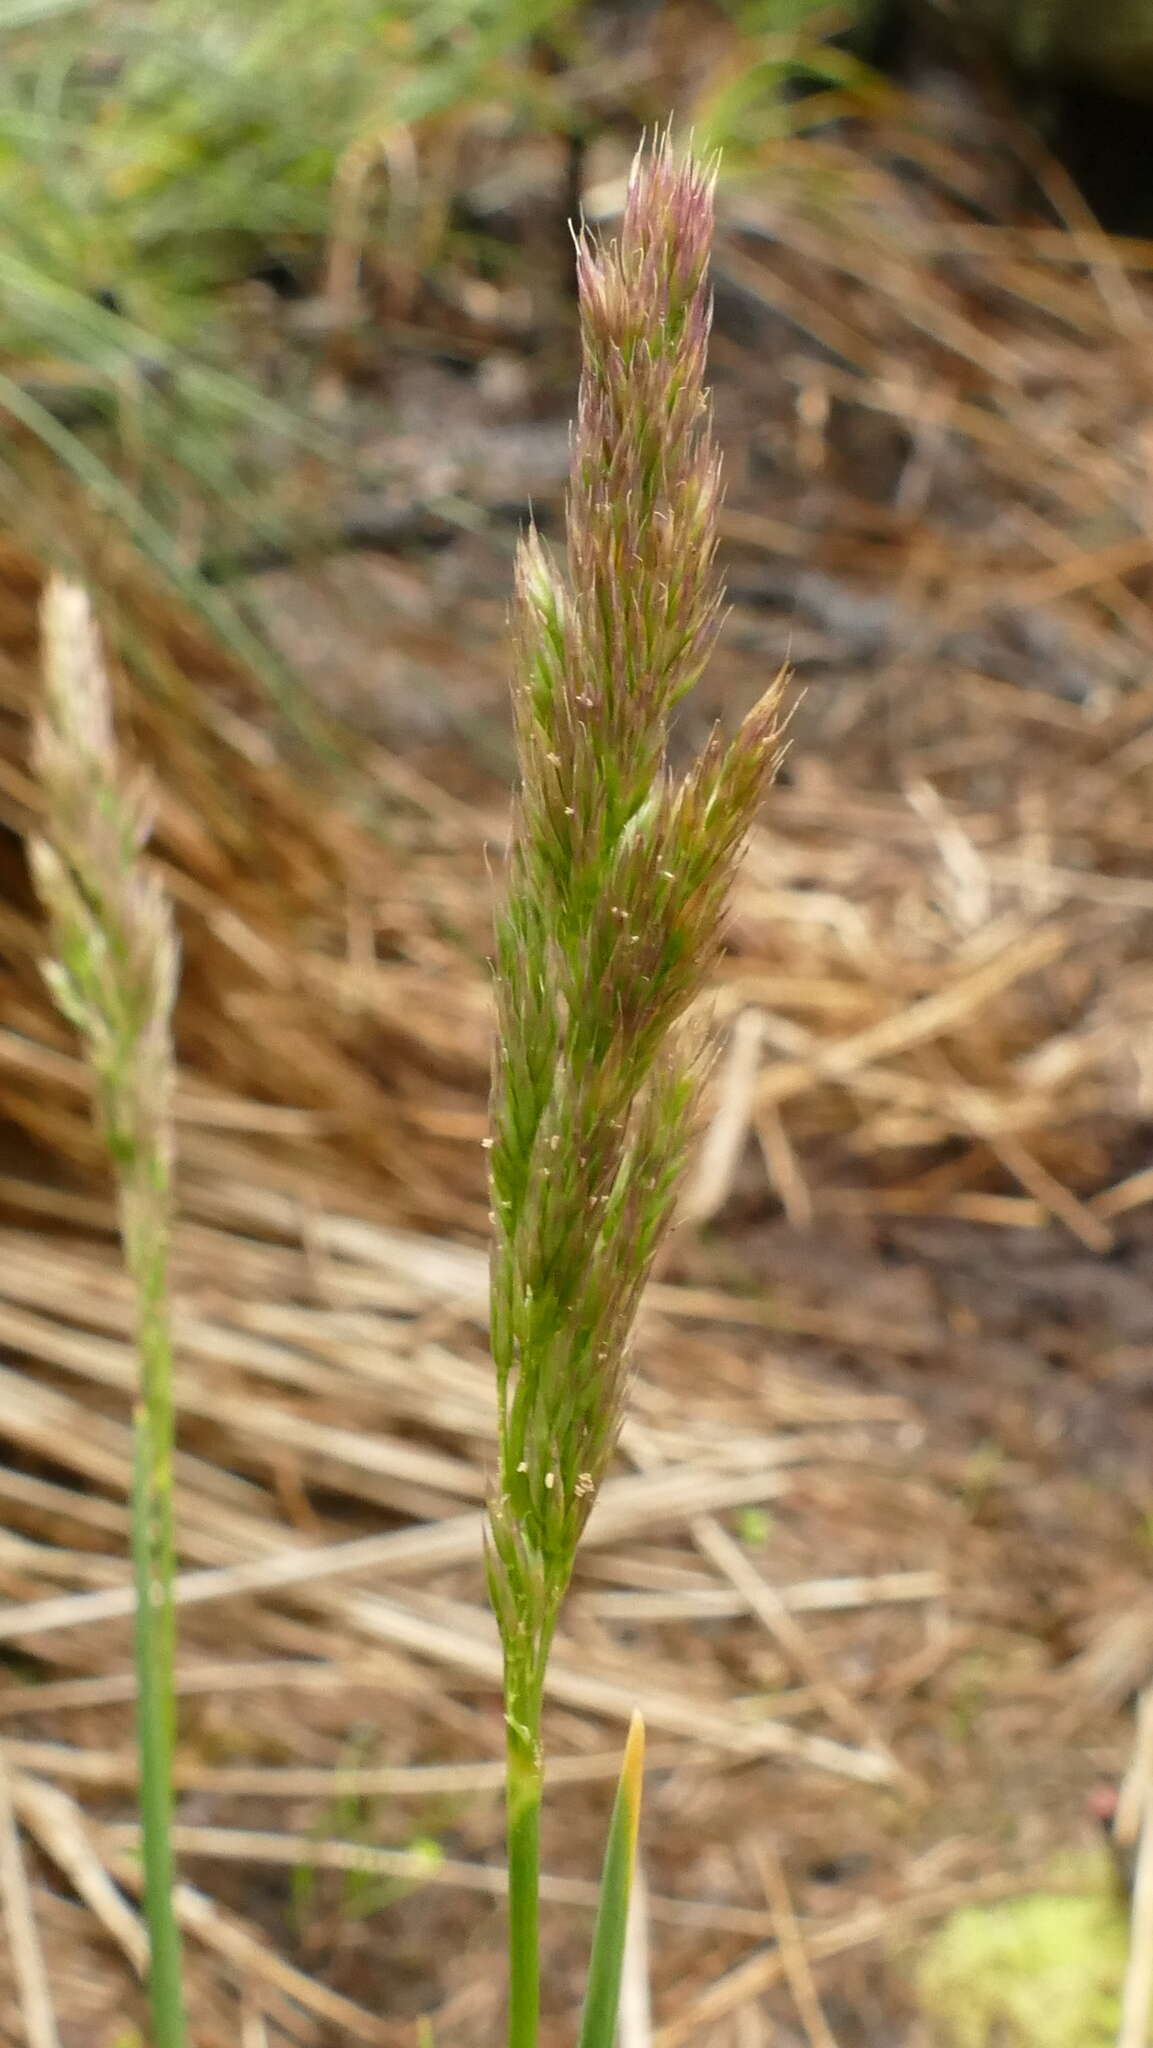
{"x":153,"y":1552}
{"x":524,"y":1788}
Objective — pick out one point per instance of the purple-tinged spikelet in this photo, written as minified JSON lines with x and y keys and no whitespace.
{"x":618,"y":877}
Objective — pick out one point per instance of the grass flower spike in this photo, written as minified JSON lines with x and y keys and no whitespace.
{"x":114,"y":976}
{"x":618,"y":876}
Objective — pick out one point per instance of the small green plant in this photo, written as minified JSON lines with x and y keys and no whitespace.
{"x":754,"y":1527}
{"x":1041,"y":1971}
{"x":617,"y":881}
{"x":352,"y":1816}
{"x":114,"y":976}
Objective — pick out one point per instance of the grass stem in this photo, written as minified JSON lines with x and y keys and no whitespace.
{"x":612,"y":919}
{"x":114,"y":977}
{"x":154,"y":1558}
{"x":525,"y":1788}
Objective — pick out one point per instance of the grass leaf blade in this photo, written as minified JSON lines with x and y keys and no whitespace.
{"x":606,"y":1964}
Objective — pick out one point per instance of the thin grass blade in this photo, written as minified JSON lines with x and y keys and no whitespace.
{"x":606,"y":1964}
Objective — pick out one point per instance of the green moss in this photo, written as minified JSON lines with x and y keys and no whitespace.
{"x":1043,"y":1971}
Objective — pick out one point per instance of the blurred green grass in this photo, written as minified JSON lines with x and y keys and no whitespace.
{"x":154,"y":154}
{"x":151,"y":157}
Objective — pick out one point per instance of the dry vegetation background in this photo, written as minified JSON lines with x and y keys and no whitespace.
{"x":876,"y":1560}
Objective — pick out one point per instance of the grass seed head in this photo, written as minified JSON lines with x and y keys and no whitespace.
{"x":115,"y":969}
{"x":617,"y":881}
